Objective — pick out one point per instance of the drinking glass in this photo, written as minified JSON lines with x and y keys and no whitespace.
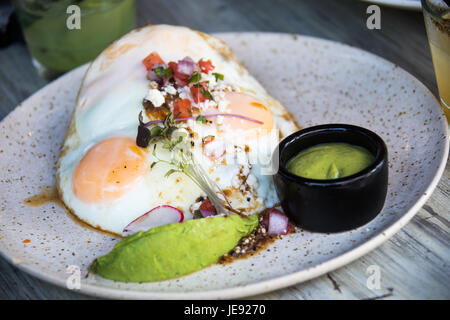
{"x":437,"y":22}
{"x":63,"y":34}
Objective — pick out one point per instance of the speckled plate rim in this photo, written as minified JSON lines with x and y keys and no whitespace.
{"x":277,"y":282}
{"x":401,"y":4}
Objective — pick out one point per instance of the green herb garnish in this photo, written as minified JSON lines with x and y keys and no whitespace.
{"x":182,"y":159}
{"x":196,"y":77}
{"x":163,"y":73}
{"x":218,"y":76}
{"x":204,"y":92}
{"x":201,"y":119}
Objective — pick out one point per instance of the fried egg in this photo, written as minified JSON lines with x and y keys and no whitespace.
{"x":106,"y":180}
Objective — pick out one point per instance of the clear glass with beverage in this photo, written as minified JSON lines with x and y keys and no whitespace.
{"x":58,"y":42}
{"x":437,"y":22}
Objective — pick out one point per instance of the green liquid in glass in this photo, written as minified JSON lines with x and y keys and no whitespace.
{"x":59,"y":48}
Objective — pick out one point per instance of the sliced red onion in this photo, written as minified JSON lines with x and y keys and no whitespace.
{"x":207,"y":116}
{"x":276,"y":223}
{"x":156,"y":217}
{"x":186,"y":66}
{"x":207,"y":213}
{"x":181,"y":82}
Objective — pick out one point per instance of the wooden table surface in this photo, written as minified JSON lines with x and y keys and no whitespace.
{"x":423,"y":244}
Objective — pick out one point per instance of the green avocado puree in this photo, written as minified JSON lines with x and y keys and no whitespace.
{"x":330,"y":161}
{"x":173,"y":250}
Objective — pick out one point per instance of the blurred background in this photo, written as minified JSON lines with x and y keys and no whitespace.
{"x":401,"y":39}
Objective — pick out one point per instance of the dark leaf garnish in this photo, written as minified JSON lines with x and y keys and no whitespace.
{"x":143,"y":136}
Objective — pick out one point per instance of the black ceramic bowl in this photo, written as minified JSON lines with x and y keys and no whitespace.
{"x":332,"y":205}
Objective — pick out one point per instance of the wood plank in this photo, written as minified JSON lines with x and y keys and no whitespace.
{"x":414,"y":264}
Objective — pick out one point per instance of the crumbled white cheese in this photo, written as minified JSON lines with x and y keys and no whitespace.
{"x":155,"y":97}
{"x":215,"y":148}
{"x":207,"y":104}
{"x":170,"y":89}
{"x":210,"y":78}
{"x":185,"y":93}
{"x":190,"y":123}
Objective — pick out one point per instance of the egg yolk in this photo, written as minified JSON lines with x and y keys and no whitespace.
{"x":248,"y":106}
{"x":108,"y":170}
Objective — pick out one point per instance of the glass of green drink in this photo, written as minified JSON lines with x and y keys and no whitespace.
{"x":63,"y":34}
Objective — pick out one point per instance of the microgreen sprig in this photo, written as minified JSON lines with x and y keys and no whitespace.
{"x":182,"y":160}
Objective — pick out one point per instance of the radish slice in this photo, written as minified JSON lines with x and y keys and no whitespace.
{"x":154,"y":218}
{"x":276,"y":223}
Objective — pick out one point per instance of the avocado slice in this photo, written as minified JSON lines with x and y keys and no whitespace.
{"x":173,"y":250}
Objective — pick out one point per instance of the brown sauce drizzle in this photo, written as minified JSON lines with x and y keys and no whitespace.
{"x":49,"y":194}
{"x":254,"y":243}
{"x":46,"y":195}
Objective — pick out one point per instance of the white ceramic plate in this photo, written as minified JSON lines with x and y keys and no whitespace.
{"x":401,"y":4}
{"x":319,"y":82}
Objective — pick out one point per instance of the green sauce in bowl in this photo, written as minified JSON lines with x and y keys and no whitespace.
{"x":330,"y":161}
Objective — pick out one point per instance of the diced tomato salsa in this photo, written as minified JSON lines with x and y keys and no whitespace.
{"x":206,"y":205}
{"x":205,"y":66}
{"x":197,"y":94}
{"x":182,"y":108}
{"x":152,"y":59}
